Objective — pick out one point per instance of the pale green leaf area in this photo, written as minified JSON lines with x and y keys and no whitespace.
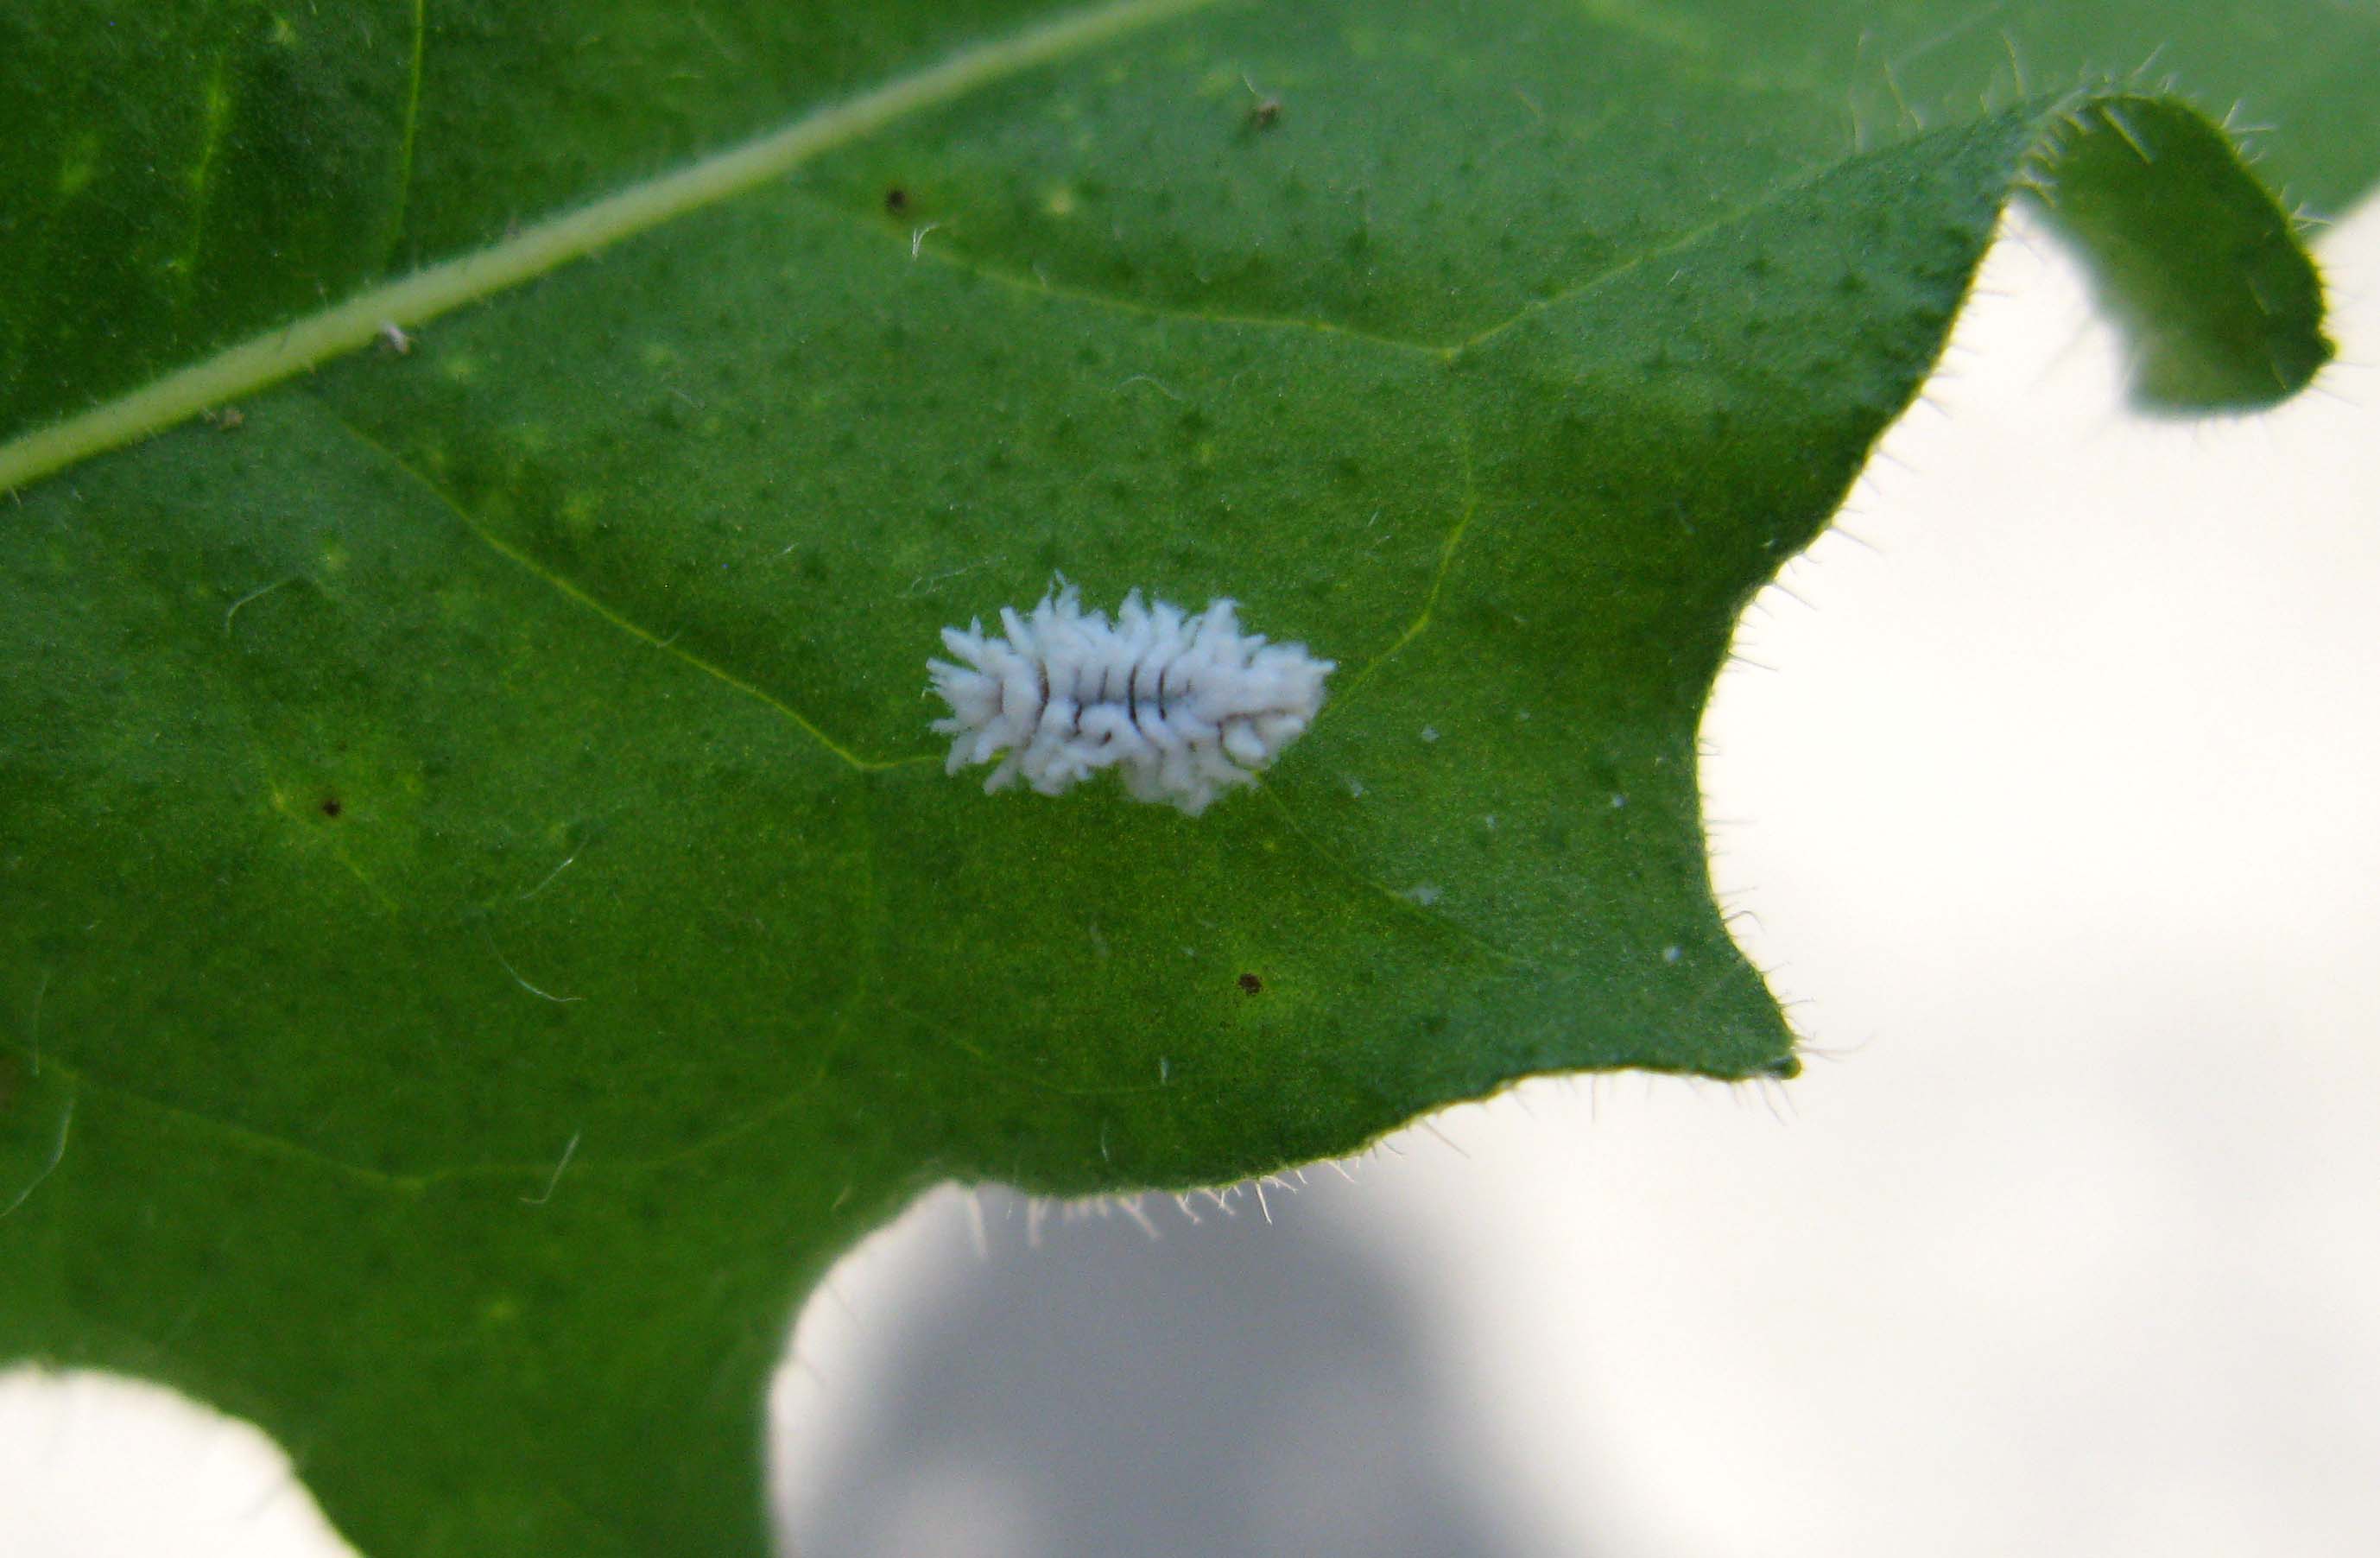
{"x":482,"y":918}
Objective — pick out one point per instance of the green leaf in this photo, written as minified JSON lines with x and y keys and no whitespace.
{"x":482,"y":915}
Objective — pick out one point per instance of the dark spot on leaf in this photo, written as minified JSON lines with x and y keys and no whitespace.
{"x":1250,"y":984}
{"x":896,"y":199}
{"x":333,"y":806}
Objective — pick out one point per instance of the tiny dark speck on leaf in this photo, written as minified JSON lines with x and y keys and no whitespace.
{"x":1265,"y":112}
{"x":1250,"y":984}
{"x":332,"y":806}
{"x":896,"y":199}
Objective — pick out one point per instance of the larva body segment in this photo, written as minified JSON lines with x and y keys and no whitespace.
{"x":1183,"y":707}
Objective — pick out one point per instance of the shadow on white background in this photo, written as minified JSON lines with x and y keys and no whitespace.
{"x":2057,"y":809}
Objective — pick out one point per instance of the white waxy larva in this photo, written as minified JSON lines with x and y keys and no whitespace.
{"x":1183,"y":707}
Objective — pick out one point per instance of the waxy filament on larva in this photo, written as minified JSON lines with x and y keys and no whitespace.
{"x":1183,"y":707}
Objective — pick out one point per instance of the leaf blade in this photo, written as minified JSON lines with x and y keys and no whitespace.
{"x":493,"y":892}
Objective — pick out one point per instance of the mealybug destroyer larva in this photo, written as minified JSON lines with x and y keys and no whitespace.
{"x":1182,"y":707}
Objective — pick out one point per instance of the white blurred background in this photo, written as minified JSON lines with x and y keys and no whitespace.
{"x":2057,"y":808}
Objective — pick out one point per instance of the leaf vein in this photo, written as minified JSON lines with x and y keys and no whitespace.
{"x":248,"y":1139}
{"x":1035,"y":285}
{"x":1405,"y":903}
{"x":579,"y":596}
{"x":1446,"y":552}
{"x":404,"y":141}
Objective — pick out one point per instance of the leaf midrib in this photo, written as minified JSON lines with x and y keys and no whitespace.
{"x":274,"y":355}
{"x":277,"y":354}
